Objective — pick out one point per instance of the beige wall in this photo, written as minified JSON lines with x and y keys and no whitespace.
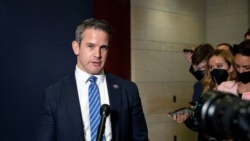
{"x":160,"y":29}
{"x":227,"y":21}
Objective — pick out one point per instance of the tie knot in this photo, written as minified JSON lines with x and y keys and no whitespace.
{"x":92,"y":79}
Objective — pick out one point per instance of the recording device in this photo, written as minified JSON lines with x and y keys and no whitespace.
{"x":104,"y":111}
{"x":224,"y":116}
{"x":184,"y":110}
{"x":188,"y":50}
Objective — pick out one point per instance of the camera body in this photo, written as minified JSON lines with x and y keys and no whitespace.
{"x":224,"y":116}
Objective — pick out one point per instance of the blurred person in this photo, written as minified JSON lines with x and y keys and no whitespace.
{"x":199,"y":59}
{"x":241,"y":85}
{"x":225,"y":46}
{"x":219,"y":68}
{"x":193,"y":68}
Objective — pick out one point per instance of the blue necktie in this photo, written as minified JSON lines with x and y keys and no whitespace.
{"x":94,"y":107}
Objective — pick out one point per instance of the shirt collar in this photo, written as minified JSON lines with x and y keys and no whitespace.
{"x":83,"y":76}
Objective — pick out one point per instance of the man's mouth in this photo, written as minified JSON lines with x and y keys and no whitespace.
{"x":96,"y":63}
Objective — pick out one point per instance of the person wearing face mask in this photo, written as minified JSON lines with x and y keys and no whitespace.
{"x":197,"y":71}
{"x":196,"y":66}
{"x":199,"y":58}
{"x":240,"y":86}
{"x":219,"y":69}
{"x":193,"y":68}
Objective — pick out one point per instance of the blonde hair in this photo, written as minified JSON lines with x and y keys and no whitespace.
{"x":207,"y":81}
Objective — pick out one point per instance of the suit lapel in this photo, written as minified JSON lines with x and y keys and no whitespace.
{"x":71,"y":98}
{"x":72,"y":103}
{"x":115,"y":97}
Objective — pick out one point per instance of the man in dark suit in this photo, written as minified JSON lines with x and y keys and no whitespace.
{"x":65,"y":115}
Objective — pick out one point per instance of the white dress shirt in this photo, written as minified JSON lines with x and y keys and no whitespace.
{"x":82,"y":88}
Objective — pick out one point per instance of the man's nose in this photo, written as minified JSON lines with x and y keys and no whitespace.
{"x":240,"y":70}
{"x":97,"y":52}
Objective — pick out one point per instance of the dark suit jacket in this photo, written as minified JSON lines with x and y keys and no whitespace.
{"x":61,"y":118}
{"x":198,"y":90}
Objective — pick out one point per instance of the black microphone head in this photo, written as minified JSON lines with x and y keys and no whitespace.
{"x":105,"y":110}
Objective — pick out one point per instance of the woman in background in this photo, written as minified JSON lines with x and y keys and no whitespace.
{"x":219,"y":68}
{"x":241,"y":86}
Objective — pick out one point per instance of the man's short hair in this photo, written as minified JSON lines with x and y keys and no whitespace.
{"x":201,"y":53}
{"x":243,"y":48}
{"x":92,"y":23}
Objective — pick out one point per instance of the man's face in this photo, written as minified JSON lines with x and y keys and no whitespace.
{"x":201,"y":66}
{"x":92,"y":51}
{"x":242,"y":63}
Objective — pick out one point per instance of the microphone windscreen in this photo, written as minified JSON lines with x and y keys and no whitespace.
{"x":105,"y":110}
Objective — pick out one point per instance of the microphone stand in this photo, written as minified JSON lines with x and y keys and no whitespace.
{"x":105,"y":110}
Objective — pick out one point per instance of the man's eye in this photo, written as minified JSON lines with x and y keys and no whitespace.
{"x":104,"y":47}
{"x":90,"y":46}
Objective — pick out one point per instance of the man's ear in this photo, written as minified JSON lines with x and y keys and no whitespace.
{"x":75,"y":47}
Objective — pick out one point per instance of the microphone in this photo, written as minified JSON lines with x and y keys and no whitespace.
{"x":104,"y":111}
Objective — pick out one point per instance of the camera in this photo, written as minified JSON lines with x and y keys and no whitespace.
{"x":224,"y":116}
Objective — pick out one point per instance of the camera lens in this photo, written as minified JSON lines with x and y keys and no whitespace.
{"x":219,"y":113}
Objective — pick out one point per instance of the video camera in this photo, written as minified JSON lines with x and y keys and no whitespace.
{"x":224,"y":116}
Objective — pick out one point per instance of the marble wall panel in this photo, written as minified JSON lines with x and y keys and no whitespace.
{"x":159,"y":66}
{"x":158,"y":26}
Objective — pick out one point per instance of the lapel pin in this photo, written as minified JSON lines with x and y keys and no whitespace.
{"x":115,"y":86}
